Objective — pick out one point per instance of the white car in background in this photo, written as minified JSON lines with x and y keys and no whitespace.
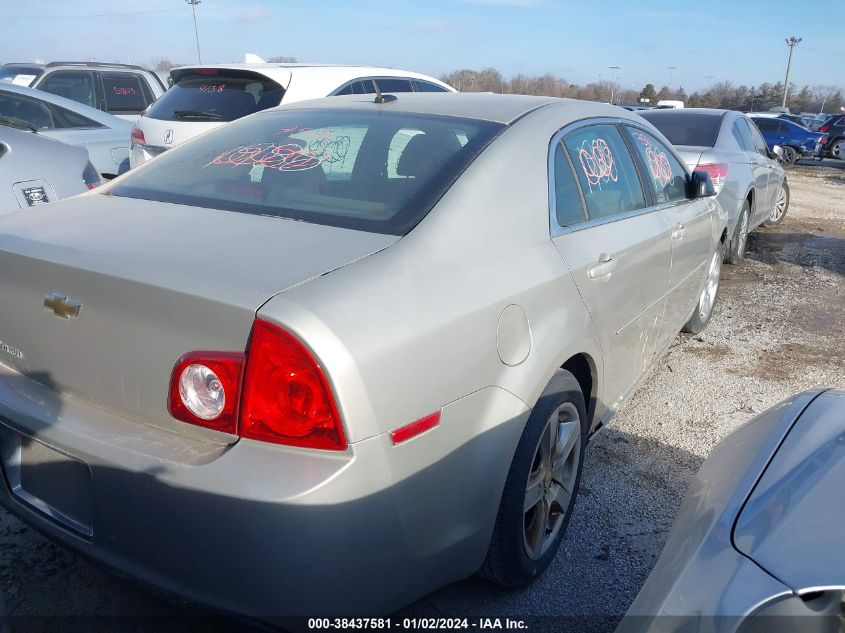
{"x":204,"y":97}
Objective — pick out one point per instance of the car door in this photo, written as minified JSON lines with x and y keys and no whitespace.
{"x":615,"y":243}
{"x":690,"y":224}
{"x":757,"y":157}
{"x":774,"y":175}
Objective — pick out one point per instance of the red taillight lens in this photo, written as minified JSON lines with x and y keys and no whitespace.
{"x":824,"y":128}
{"x":213,"y":403}
{"x":418,"y":427}
{"x":718,"y":172}
{"x":137,"y":136}
{"x":286,"y":397}
{"x":206,"y":71}
{"x":822,"y":140}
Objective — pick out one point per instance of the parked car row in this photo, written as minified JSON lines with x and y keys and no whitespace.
{"x":356,"y":329}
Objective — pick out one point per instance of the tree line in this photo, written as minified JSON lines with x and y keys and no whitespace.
{"x":722,"y":94}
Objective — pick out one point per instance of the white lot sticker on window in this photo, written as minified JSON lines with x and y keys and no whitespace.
{"x":23,"y":80}
{"x":658,"y":163}
{"x":598,"y":162}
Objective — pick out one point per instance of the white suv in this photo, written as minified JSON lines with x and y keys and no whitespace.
{"x":204,"y":97}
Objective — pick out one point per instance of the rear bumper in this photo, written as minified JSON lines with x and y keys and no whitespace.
{"x":140,"y":154}
{"x":263,"y":530}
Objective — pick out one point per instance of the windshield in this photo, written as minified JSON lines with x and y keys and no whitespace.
{"x":368,"y":170}
{"x":216,"y":97}
{"x":19,"y":74}
{"x":686,"y":128}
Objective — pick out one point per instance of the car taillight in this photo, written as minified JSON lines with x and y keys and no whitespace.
{"x":276,"y":392}
{"x":137,"y":136}
{"x":286,"y":397}
{"x":205,"y":389}
{"x":91,"y":177}
{"x":822,"y":140}
{"x":718,"y":172}
{"x":824,"y":128}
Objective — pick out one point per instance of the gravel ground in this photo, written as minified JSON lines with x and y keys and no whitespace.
{"x":775,"y":331}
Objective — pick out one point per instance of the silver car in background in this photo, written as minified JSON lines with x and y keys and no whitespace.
{"x":343,"y":352}
{"x":757,"y":543}
{"x":36,"y":170}
{"x":751,"y":185}
{"x":106,"y":137}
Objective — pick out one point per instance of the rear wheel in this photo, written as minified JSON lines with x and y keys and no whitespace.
{"x":739,"y":239}
{"x":704,"y":310}
{"x":781,"y":206}
{"x":541,"y":486}
{"x":790,"y":155}
{"x":837,"y":150}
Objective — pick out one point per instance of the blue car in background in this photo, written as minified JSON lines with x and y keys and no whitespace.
{"x":795,"y":140}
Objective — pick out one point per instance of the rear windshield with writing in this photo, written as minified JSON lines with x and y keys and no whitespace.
{"x":216,"y":97}
{"x":686,"y":128}
{"x":124,"y":93}
{"x":368,"y":170}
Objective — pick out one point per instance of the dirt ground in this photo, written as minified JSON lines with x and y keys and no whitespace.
{"x":777,"y":330}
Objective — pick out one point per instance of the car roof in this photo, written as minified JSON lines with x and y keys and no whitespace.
{"x":74,"y":106}
{"x":491,"y":107}
{"x":676,"y":111}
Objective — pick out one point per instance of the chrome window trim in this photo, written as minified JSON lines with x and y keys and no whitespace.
{"x":554,"y":228}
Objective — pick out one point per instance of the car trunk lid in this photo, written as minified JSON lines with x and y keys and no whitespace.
{"x":153,"y":281}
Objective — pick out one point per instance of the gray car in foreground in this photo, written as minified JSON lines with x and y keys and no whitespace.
{"x":757,"y":544}
{"x":35,"y":170}
{"x":106,"y":137}
{"x":751,"y":185}
{"x":337,"y":354}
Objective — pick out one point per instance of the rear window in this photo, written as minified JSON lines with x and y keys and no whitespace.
{"x":216,"y":97}
{"x":374,"y":171}
{"x":686,"y":128}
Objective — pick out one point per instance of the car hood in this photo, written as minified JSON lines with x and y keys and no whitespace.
{"x":792,"y":523}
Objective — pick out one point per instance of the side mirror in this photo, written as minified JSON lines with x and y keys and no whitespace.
{"x":700,"y":185}
{"x":777,"y":152}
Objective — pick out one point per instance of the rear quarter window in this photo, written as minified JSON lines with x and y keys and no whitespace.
{"x":125,"y":92}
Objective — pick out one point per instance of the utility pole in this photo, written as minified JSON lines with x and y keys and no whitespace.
{"x":613,"y":70}
{"x":791,"y":42}
{"x":671,"y":70}
{"x":194,"y":4}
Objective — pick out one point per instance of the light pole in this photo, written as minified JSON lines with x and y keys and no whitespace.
{"x":194,"y":4}
{"x":671,"y":70}
{"x":613,"y":70}
{"x":791,"y":42}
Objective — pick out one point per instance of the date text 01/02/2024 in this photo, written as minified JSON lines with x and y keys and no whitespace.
{"x":387,"y":624}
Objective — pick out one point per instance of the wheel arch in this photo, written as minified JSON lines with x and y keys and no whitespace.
{"x":584,"y":368}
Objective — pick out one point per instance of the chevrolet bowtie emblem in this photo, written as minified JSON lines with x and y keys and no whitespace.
{"x":61,"y":305}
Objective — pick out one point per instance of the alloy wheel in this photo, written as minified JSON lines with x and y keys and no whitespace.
{"x":551,"y":482}
{"x":711,"y":288}
{"x":780,"y":206}
{"x":838,"y":150}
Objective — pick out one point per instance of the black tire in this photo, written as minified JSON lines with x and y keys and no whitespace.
{"x":779,"y":212}
{"x":736,"y":247}
{"x":790,"y":156}
{"x":837,"y":149}
{"x":508,"y":562}
{"x":699,"y":319}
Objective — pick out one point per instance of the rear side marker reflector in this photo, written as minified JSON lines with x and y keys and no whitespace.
{"x":404,"y":433}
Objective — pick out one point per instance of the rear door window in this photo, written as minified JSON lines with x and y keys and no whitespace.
{"x":71,"y":84}
{"x":742,"y":134}
{"x":606,"y":171}
{"x":391,"y":84}
{"x":767,"y":127}
{"x":216,"y":97}
{"x":568,"y":209}
{"x":427,"y":86}
{"x":125,"y":92}
{"x":29,"y":111}
{"x":667,"y":174}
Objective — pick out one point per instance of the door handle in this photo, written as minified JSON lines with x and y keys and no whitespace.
{"x":603,"y":268}
{"x":679,"y":232}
